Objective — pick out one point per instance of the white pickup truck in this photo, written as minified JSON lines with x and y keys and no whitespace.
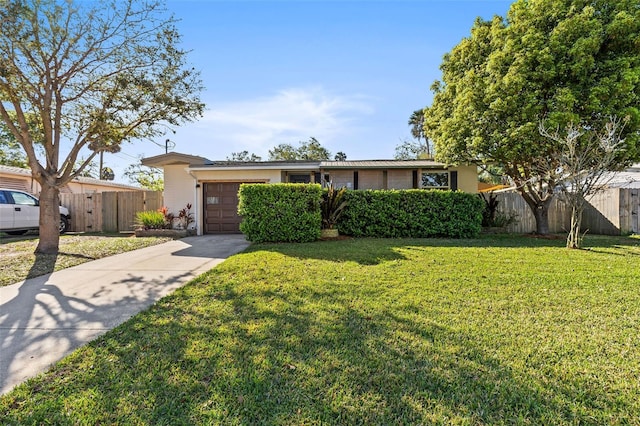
{"x":20,"y":212}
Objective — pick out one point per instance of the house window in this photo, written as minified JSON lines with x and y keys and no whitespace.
{"x":299,"y":178}
{"x":435,"y":180}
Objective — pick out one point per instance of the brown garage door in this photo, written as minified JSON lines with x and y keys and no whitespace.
{"x":221,"y":208}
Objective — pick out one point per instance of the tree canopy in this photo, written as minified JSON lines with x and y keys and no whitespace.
{"x":11,"y":152}
{"x":151,"y":178}
{"x":412,"y":150}
{"x":562,"y":61}
{"x":310,"y":150}
{"x":244,"y":156}
{"x":94,"y":75}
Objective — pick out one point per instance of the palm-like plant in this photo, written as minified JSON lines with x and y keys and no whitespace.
{"x":332,"y":206}
{"x":416,"y":122}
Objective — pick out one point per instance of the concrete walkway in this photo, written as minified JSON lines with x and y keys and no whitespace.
{"x":43,"y":319}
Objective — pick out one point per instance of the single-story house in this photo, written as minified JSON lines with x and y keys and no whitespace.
{"x":21,"y":179}
{"x":628,"y":178}
{"x":211,"y":187}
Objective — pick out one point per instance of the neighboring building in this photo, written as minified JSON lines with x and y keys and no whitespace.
{"x":211,"y":187}
{"x":628,"y":178}
{"x":21,"y":179}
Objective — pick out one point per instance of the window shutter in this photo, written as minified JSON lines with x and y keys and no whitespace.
{"x":453,"y":183}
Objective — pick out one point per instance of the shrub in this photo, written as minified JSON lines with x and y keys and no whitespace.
{"x":332,"y":206}
{"x":184,"y":218}
{"x":411,"y":213}
{"x":280,"y":212}
{"x":152,"y":220}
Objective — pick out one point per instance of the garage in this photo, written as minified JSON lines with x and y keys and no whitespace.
{"x":221,"y":208}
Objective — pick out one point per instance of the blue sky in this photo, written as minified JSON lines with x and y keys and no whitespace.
{"x":348,"y":73}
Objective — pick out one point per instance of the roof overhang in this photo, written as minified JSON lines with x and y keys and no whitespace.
{"x":173,"y":158}
{"x":383,"y":164}
{"x":285,"y":166}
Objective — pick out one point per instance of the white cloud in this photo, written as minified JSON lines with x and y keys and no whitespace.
{"x":288,"y":116}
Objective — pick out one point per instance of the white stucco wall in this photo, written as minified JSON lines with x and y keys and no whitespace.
{"x":179,"y":189}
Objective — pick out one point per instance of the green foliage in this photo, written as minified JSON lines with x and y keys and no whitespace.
{"x":283,"y":152}
{"x":146,"y":177}
{"x":280,"y":212}
{"x":501,"y":330}
{"x":19,"y":262}
{"x":411,"y":213}
{"x":155,"y":219}
{"x":491,"y":216}
{"x":11,"y":152}
{"x":413,"y":150}
{"x":409,"y":150}
{"x":307,"y":151}
{"x":96,"y":73}
{"x":553,"y":60}
{"x":244,"y":156}
{"x":332,"y":206}
{"x":340,"y":156}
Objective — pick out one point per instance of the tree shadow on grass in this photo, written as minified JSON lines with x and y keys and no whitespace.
{"x":372,"y":251}
{"x":361,"y":251}
{"x":219,"y":354}
{"x":45,"y":263}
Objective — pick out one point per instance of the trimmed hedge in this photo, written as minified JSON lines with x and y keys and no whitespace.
{"x":280,"y":212}
{"x":411,"y":213}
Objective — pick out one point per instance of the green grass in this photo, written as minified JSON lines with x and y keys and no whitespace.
{"x":498,"y":330}
{"x":18,"y":261}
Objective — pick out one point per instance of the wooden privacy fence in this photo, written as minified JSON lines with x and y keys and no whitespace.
{"x":108,"y":211}
{"x":614,"y":211}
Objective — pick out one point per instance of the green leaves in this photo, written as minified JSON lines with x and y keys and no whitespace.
{"x":553,"y":60}
{"x":411,"y":214}
{"x":280,"y":212}
{"x":311,"y":150}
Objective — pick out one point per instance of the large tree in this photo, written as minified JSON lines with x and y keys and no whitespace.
{"x":310,"y":150}
{"x":95,"y":74}
{"x":560,"y":61}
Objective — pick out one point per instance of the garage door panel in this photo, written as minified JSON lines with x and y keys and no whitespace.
{"x":227,"y":214}
{"x":221,"y":211}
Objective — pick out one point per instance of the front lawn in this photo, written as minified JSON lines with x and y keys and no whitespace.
{"x":18,"y":262}
{"x":497,"y":330}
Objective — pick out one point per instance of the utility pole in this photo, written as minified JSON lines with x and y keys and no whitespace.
{"x":100,"y":171}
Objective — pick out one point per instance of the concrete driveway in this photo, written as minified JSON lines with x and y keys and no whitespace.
{"x":43,"y":319}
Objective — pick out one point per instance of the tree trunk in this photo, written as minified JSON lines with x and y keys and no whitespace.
{"x":540,"y":210}
{"x":541,"y":214}
{"x":574,"y":239}
{"x":49,"y":220}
